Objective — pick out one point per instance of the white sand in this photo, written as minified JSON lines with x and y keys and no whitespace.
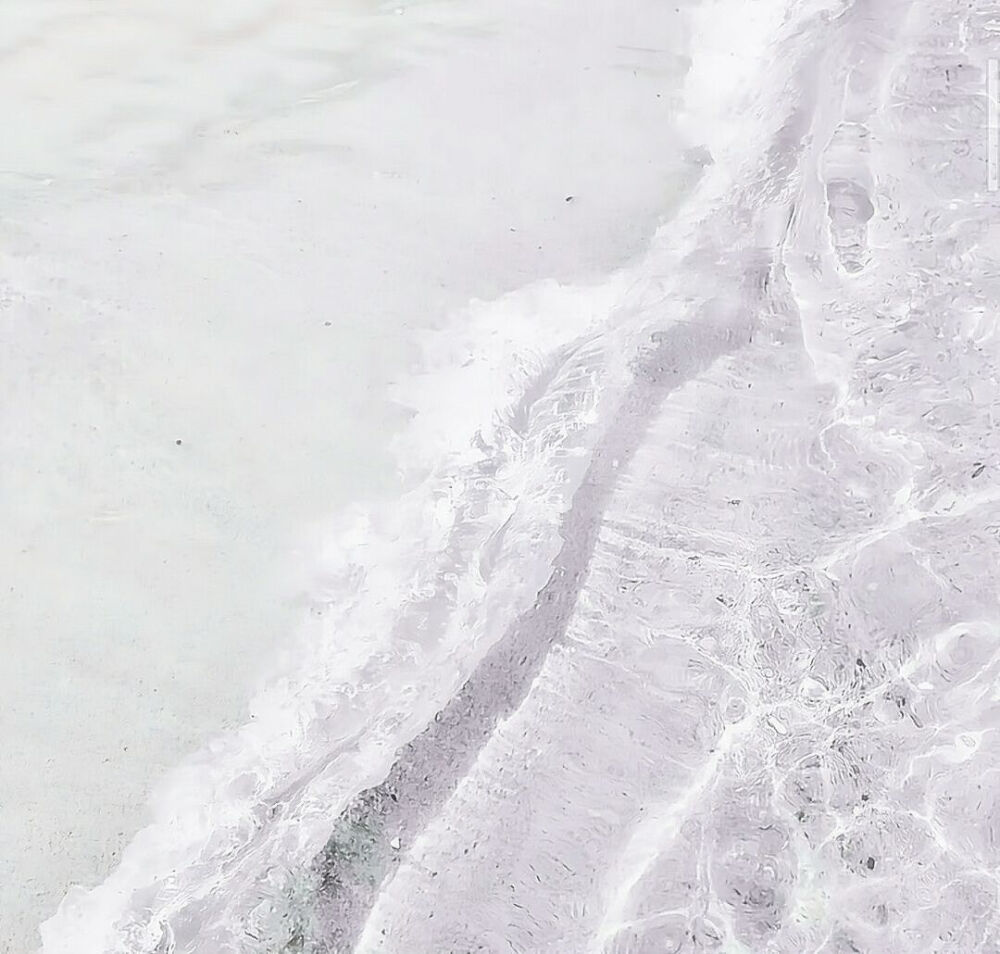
{"x":222,"y":225}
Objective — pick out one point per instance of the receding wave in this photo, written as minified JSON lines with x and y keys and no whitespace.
{"x":679,"y":640}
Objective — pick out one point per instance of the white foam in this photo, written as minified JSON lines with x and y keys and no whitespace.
{"x":359,"y":684}
{"x":226,"y":228}
{"x":356,"y":686}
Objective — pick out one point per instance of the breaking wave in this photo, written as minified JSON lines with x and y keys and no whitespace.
{"x":601,"y":642}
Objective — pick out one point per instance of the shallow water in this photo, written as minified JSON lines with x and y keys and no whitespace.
{"x":224,"y":228}
{"x":682,"y":635}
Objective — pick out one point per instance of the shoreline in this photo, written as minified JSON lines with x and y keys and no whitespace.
{"x":171,"y":290}
{"x":680,"y":635}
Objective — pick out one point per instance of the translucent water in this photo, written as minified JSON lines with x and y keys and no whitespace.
{"x":682,"y":634}
{"x":226,"y":230}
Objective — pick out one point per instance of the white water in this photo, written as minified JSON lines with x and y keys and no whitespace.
{"x":730,"y":505}
{"x":226,"y":226}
